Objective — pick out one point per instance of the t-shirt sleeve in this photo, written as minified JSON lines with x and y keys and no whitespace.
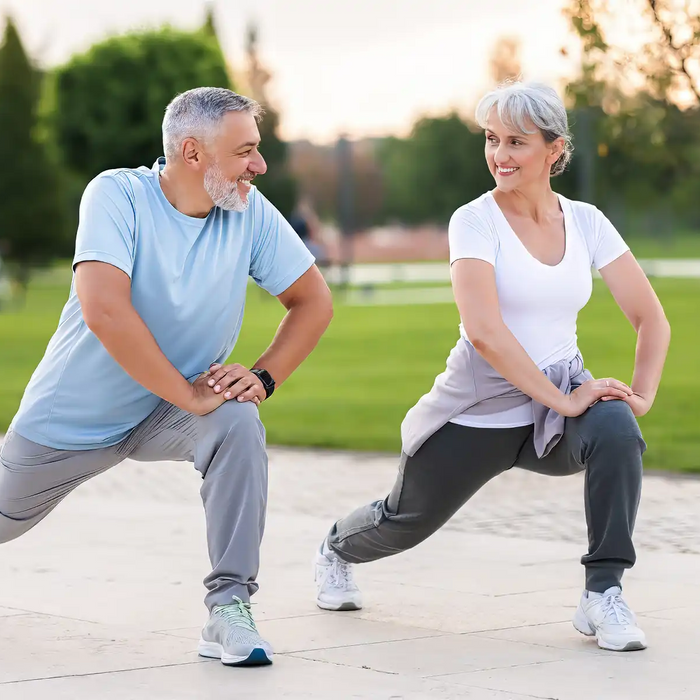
{"x":608,"y":244}
{"x":279,"y":257}
{"x":106,"y":225}
{"x":470,"y":236}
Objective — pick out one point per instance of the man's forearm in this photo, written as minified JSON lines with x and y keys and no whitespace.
{"x":297,"y":335}
{"x":129,"y":341}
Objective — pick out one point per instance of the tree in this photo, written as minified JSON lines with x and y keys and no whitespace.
{"x":639,"y":148}
{"x":31,"y":212}
{"x":110,"y":100}
{"x":504,"y":62}
{"x":278,"y":185}
{"x":433,"y":172}
{"x":664,"y":63}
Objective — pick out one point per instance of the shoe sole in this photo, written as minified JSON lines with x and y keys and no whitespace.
{"x":338,"y":608}
{"x":582,"y":626}
{"x":213,"y":650}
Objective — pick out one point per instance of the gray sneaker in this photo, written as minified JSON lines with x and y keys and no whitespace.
{"x":231,"y":635}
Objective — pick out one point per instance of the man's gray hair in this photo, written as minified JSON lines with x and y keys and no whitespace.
{"x":519,"y":105}
{"x":198,"y":113}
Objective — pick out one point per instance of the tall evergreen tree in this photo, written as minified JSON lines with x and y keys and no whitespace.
{"x":32,"y":227}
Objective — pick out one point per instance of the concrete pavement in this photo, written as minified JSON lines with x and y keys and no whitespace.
{"x":103,"y":599}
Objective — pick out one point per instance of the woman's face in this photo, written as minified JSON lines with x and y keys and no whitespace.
{"x":517,"y":160}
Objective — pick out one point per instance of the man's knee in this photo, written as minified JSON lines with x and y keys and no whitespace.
{"x":11,"y":529}
{"x":240,"y":420}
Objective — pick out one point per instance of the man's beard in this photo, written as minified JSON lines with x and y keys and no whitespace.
{"x":223,"y":192}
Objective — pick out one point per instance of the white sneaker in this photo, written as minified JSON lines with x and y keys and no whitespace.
{"x":336,"y":589}
{"x":607,"y":617}
{"x":231,"y":635}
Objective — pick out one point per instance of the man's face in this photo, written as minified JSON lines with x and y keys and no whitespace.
{"x":234,"y":162}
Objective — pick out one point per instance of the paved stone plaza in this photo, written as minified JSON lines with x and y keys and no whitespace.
{"x":103,"y":600}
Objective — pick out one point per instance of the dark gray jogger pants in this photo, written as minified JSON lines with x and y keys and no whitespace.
{"x":227,"y":447}
{"x":457,"y":461}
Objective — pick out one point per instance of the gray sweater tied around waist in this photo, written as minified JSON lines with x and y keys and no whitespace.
{"x":469,"y":383}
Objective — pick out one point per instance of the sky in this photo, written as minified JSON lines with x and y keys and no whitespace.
{"x":363,"y":68}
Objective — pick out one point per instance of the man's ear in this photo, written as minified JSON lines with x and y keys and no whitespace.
{"x":192,"y":153}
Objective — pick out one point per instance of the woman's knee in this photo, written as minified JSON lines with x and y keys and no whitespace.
{"x":612,"y":427}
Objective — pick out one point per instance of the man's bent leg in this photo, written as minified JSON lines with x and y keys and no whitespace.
{"x":34,"y":479}
{"x":228,"y":448}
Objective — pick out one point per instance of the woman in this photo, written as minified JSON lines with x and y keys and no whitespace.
{"x":515,"y":391}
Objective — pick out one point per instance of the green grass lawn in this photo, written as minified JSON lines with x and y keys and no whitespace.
{"x":681,"y":245}
{"x":375,"y":362}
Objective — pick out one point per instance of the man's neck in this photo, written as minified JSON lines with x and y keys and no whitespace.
{"x":186,"y":196}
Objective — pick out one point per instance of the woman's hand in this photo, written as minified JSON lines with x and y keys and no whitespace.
{"x":582,"y":398}
{"x":638,"y":403}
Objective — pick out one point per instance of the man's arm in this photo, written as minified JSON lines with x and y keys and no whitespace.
{"x":104,"y":293}
{"x":309,"y":312}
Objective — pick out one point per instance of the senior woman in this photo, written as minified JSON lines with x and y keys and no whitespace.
{"x":515,"y":392}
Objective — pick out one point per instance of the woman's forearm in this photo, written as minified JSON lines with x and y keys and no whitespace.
{"x":500,"y":348}
{"x":653,"y":338}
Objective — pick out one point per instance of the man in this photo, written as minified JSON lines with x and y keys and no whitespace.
{"x":135,"y":369}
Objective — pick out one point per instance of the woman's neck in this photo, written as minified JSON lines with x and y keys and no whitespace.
{"x":537,"y":202}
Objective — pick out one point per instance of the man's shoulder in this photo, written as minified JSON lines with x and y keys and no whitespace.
{"x":121,"y":181}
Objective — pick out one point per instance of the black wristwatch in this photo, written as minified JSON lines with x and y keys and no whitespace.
{"x":267,"y":381}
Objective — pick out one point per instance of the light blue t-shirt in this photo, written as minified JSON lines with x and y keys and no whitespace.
{"x":188,"y":283}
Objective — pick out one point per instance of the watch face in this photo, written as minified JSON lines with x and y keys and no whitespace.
{"x":264,"y":376}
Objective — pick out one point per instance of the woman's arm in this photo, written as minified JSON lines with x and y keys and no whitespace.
{"x":638,"y":301}
{"x":474,"y":286}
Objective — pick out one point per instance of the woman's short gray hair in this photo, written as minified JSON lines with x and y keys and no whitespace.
{"x":520,"y":104}
{"x":198,"y":113}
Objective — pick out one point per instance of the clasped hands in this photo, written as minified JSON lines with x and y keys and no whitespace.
{"x":223,"y":383}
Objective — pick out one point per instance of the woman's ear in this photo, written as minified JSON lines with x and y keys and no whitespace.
{"x":557,"y":148}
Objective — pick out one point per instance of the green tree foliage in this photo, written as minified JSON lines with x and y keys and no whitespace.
{"x":109,"y":101}
{"x":278,"y":184}
{"x":32,"y":227}
{"x":439,"y":167}
{"x":642,"y":147}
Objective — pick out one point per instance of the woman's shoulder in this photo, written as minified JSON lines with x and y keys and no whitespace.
{"x":478,"y":210}
{"x":587,"y":214}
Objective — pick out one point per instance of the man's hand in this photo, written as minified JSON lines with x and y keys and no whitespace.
{"x":236,"y":382}
{"x":204,"y":400}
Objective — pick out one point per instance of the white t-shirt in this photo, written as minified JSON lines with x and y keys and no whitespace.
{"x":539,"y":303}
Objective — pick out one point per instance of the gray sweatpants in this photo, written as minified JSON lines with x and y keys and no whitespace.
{"x":227,"y":447}
{"x":455,"y":462}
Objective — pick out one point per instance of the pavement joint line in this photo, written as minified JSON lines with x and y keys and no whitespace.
{"x":542,"y":590}
{"x":24,"y":611}
{"x":494,"y":668}
{"x":594,"y":650}
{"x":369,"y":644}
{"x":297,"y":655}
{"x":516,"y":627}
{"x":105,"y":673}
{"x":504,"y":692}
